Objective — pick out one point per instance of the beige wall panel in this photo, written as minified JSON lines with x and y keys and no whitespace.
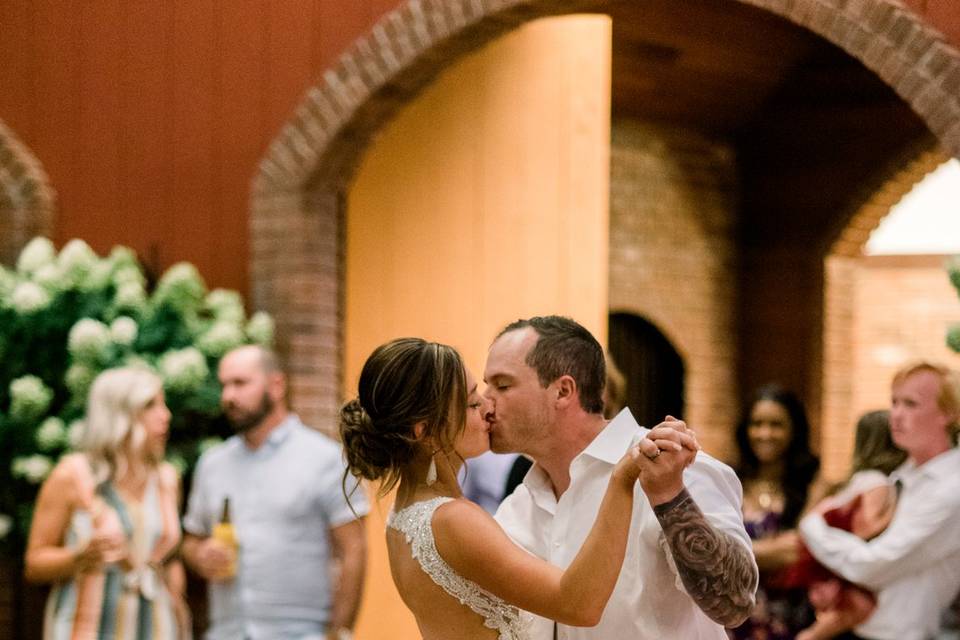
{"x":485,"y":200}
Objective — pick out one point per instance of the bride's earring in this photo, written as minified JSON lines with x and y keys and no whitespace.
{"x":432,"y":472}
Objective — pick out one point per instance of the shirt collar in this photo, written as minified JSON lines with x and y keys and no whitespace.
{"x":611,"y":443}
{"x":282,"y":431}
{"x":537,"y":480}
{"x":940,"y":467}
{"x":609,"y":446}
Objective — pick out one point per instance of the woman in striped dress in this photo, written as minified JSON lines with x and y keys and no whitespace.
{"x":105,"y":528}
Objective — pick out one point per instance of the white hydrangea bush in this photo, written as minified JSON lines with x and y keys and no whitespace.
{"x":67,"y":315}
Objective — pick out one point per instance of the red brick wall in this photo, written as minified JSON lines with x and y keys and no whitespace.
{"x":840,"y":373}
{"x":673,"y":195}
{"x":903,"y":306}
{"x":151,"y":117}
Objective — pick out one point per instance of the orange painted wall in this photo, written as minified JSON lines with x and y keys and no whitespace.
{"x":486,"y":200}
{"x":150,"y":117}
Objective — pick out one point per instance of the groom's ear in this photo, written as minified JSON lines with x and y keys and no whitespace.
{"x":566,"y":389}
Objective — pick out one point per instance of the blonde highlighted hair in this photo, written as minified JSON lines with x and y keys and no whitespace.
{"x":112,"y":427}
{"x":948,"y":400}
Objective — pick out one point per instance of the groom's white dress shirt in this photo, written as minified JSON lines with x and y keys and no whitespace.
{"x":649,"y":602}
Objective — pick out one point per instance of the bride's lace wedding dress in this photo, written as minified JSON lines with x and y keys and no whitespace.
{"x":414,"y":523}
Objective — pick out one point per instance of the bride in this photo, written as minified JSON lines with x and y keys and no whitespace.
{"x":417,"y":417}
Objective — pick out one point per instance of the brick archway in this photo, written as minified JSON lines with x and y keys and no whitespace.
{"x":297,"y":203}
{"x":26,"y":198}
{"x":840,"y":268}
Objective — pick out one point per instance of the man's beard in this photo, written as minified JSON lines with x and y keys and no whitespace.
{"x":242,"y":420}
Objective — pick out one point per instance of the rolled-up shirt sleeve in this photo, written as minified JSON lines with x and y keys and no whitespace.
{"x":718,"y":492}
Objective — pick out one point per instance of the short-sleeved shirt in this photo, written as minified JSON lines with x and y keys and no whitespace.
{"x":649,"y":601}
{"x":285,"y":497}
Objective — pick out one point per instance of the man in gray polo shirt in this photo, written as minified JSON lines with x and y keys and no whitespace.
{"x":293,"y":523}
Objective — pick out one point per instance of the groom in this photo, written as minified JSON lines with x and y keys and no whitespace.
{"x":689,"y":568}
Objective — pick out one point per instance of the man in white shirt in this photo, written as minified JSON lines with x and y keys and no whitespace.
{"x":914,"y":565}
{"x":689,"y":568}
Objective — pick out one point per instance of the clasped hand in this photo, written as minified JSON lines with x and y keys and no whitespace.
{"x":660,"y":458}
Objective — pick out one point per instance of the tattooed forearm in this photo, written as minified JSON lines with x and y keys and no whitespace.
{"x":717,"y":571}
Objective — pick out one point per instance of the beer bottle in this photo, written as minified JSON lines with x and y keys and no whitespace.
{"x":224,"y":532}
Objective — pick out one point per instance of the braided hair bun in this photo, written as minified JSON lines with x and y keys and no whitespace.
{"x":404,"y":383}
{"x":372,"y":451}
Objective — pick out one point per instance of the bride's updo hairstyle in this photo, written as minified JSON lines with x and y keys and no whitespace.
{"x":404,"y":382}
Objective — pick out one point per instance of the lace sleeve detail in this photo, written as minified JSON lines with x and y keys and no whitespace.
{"x":414,"y":522}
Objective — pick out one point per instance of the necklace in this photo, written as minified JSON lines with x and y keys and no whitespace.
{"x":766,"y":492}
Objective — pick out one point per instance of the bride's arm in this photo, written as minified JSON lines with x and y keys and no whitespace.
{"x":475,"y":546}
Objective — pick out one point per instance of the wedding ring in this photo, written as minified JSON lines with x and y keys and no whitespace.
{"x":656,"y":455}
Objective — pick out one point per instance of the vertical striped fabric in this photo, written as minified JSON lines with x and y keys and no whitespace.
{"x":115,"y":604}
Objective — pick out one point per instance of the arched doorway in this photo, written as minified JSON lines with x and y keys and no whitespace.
{"x":299,"y":196}
{"x":653,"y":369}
{"x":297,"y":203}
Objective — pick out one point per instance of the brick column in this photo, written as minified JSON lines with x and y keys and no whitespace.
{"x":672,"y":259}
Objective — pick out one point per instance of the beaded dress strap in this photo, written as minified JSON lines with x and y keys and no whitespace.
{"x":415,"y":523}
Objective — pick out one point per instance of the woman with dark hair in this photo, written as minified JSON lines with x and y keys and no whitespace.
{"x":417,"y":416}
{"x":779,"y":473}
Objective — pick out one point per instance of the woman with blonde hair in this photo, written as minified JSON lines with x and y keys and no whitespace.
{"x":105,"y":528}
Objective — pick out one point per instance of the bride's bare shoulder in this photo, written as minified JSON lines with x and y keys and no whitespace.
{"x":465,"y":534}
{"x":460,"y":513}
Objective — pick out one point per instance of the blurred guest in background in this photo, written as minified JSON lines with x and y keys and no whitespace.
{"x":615,"y":389}
{"x":864,"y":506}
{"x":914,"y":565}
{"x":298,"y":570}
{"x":485,"y":479}
{"x":105,"y":528}
{"x":780,"y":476}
